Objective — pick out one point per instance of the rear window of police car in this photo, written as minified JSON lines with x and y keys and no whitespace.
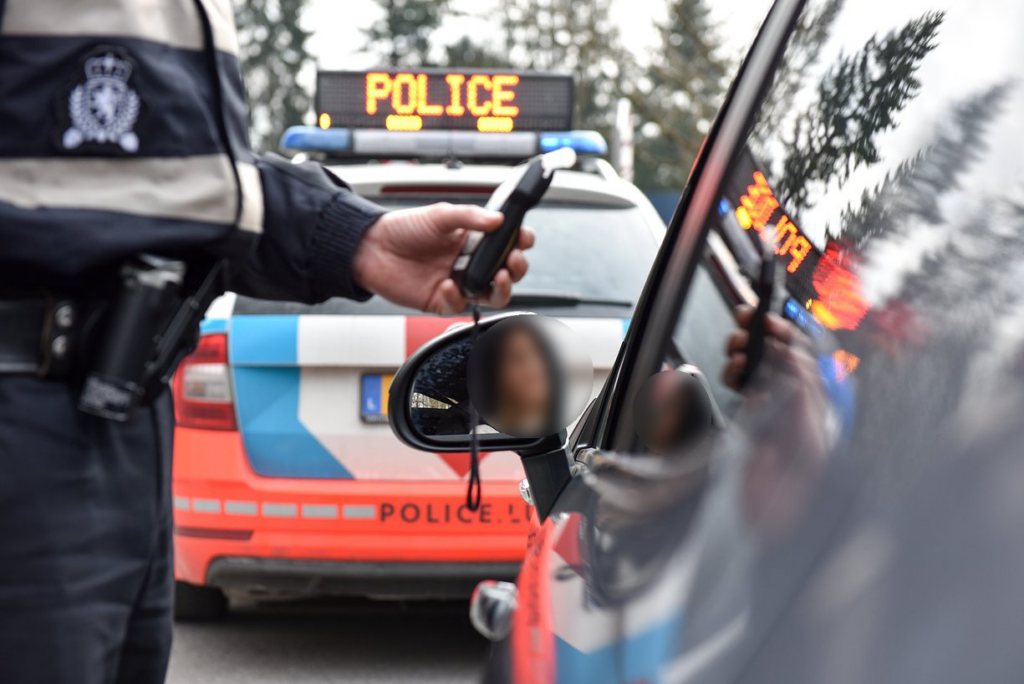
{"x":585,"y":251}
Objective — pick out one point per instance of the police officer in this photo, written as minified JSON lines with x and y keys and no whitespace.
{"x":125,"y":170}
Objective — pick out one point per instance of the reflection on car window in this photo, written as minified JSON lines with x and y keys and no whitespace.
{"x":885,"y":166}
{"x":706,"y":321}
{"x":886,"y":169}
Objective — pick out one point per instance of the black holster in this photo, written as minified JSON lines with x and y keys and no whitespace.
{"x":152,"y":325}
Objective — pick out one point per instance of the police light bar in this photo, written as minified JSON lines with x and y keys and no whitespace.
{"x":308,"y":138}
{"x":583,"y":142}
{"x":433,"y":99}
{"x":378,"y":144}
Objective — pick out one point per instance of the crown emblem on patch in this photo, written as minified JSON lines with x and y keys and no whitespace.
{"x":108,"y":66}
{"x":104,"y":108}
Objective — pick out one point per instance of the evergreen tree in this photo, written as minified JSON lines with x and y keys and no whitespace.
{"x":858,"y":98}
{"x":273,"y":52}
{"x":466,"y":54}
{"x":402,"y":37}
{"x":915,"y":189}
{"x":961,"y":285}
{"x":953,"y":300}
{"x":683,"y":89}
{"x":574,"y":36}
{"x":810,"y":35}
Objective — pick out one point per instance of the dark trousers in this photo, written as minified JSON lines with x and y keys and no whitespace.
{"x":86,"y":581}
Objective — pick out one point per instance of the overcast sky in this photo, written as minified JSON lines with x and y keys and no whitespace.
{"x":337,"y":41}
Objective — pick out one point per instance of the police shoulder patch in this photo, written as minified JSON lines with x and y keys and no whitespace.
{"x":99,"y":111}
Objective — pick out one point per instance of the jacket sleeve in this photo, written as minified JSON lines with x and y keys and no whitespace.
{"x":312,"y":225}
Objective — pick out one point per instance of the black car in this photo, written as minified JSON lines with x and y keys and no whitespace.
{"x":854,"y":510}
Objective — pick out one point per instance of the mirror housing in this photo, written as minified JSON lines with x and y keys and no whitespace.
{"x":492,"y":607}
{"x":429,"y":358}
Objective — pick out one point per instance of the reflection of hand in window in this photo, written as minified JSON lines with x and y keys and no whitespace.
{"x":785,"y":418}
{"x":780,"y":335}
{"x":672,"y":413}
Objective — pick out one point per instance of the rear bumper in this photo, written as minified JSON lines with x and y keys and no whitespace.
{"x":271,"y":576}
{"x":241,"y":531}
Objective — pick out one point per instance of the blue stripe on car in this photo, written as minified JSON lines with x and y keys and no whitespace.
{"x":264,"y":360}
{"x":210,"y":326}
{"x":277,"y":444}
{"x":637,"y":658}
{"x":264,"y":341}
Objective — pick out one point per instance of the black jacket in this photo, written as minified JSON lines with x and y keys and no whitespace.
{"x":123,"y":129}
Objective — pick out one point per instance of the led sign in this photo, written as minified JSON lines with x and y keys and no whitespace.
{"x":756,"y":210}
{"x":490,"y":102}
{"x":841,"y":304}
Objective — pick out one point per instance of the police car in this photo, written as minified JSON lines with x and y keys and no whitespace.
{"x":287,"y":478}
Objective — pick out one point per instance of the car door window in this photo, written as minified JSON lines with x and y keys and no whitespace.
{"x":884,"y":168}
{"x":870,"y":174}
{"x":706,"y":320}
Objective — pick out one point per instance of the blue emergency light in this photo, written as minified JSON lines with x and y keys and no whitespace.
{"x":314,"y":139}
{"x":582,"y":142}
{"x":802,"y":317}
{"x":373,"y":143}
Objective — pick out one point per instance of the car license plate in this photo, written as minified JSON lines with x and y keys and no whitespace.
{"x":373,"y":404}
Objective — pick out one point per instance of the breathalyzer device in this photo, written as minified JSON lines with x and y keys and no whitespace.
{"x":484,"y":253}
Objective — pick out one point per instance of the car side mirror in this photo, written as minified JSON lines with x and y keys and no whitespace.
{"x":429,"y":404}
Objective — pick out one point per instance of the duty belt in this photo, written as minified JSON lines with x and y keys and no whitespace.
{"x":45,"y":336}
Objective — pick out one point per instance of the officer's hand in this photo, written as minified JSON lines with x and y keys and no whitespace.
{"x":407,"y":255}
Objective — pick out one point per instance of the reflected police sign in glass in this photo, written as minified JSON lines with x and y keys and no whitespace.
{"x":750,"y":201}
{"x":430,"y":99}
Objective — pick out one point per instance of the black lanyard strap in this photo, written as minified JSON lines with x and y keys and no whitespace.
{"x":474,"y":490}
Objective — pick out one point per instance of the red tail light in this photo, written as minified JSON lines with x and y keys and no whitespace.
{"x":202,"y":387}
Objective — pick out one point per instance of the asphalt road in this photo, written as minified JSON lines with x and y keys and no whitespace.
{"x":351,"y":642}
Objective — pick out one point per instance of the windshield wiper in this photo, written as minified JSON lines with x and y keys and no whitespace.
{"x":543,"y":298}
